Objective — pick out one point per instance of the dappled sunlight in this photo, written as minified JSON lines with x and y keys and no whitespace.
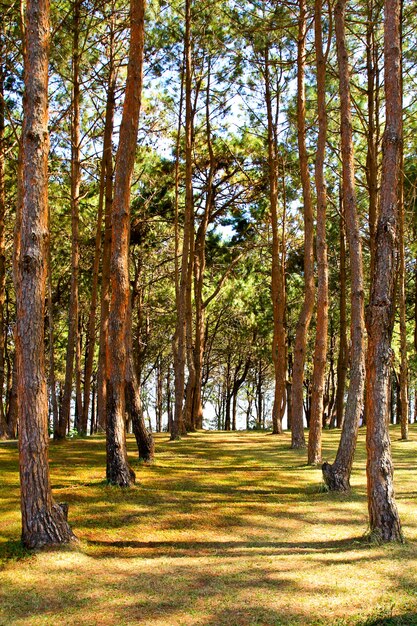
{"x":224,"y":529}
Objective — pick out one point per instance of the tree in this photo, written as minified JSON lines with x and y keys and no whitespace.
{"x":337,"y":476}
{"x":73,"y":312}
{"x":117,"y":361}
{"x":43,"y":520}
{"x":384,"y":519}
{"x":3,"y":422}
{"x":183,"y":330}
{"x":297,"y":439}
{"x":320,"y":349}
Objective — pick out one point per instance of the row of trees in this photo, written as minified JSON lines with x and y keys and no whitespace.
{"x":181,"y":261}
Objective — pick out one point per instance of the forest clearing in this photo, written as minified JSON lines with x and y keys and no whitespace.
{"x":208,"y":312}
{"x":228,"y":529}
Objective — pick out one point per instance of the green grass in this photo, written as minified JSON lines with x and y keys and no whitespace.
{"x":224,"y":529}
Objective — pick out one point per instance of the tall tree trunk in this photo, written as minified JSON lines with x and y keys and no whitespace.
{"x":191,"y":382}
{"x":12,"y":408}
{"x":105,"y":269}
{"x":199,"y":268}
{"x":118,"y":470}
{"x":158,"y":395}
{"x":402,"y":284}
{"x":168,"y":397}
{"x":337,"y":476}
{"x":384,"y":519}
{"x":144,"y":438}
{"x":372,"y":138}
{"x":278,"y":266}
{"x":342,"y":360}
{"x":43,"y":521}
{"x":300,"y":346}
{"x":320,"y":349}
{"x":78,"y":376}
{"x":3,"y":423}
{"x":52,"y":379}
{"x":75,"y":246}
{"x":105,"y":179}
{"x":180,"y":349}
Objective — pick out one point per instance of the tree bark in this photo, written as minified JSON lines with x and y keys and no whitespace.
{"x":372,"y":138}
{"x":278,"y":264}
{"x":75,"y":224}
{"x":403,"y":382}
{"x":180,"y":346}
{"x":300,"y":346}
{"x":105,"y":270}
{"x":3,"y":423}
{"x":118,"y":470}
{"x":105,"y":195}
{"x":384,"y":519}
{"x":43,"y":521}
{"x":337,"y":476}
{"x":52,"y":379}
{"x":342,"y":360}
{"x":320,"y":349}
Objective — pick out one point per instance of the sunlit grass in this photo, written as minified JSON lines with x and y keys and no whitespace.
{"x":224,"y":529}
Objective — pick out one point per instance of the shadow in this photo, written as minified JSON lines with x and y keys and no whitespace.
{"x":406,"y":619}
{"x":109,"y":549}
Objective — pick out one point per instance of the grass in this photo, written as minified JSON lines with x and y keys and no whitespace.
{"x":224,"y":529}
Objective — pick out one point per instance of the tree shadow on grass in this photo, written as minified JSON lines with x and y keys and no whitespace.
{"x":111,"y":549}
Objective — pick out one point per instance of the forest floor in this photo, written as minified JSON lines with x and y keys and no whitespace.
{"x":224,"y":529}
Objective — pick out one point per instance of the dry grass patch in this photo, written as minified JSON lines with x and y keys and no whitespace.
{"x":224,"y":529}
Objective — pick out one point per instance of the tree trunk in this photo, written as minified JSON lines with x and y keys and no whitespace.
{"x":180,"y":347}
{"x":372,"y":138}
{"x":337,"y":476}
{"x":3,"y":423}
{"x":52,"y":379}
{"x":300,"y":346}
{"x":342,"y":360}
{"x":168,"y":397}
{"x":199,"y":269}
{"x":403,"y":382}
{"x":278,"y":264}
{"x":384,"y":519}
{"x":144,"y":439}
{"x":43,"y":521}
{"x":78,"y":377}
{"x":75,"y":204}
{"x":118,"y":470}
{"x":107,"y":166}
{"x":158,"y":395}
{"x":12,"y":414}
{"x":320,"y":349}
{"x":105,"y":172}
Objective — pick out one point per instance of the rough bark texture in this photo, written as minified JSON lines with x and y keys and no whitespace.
{"x":342,"y":359}
{"x":337,"y":476}
{"x":300,"y":345}
{"x":43,"y":521}
{"x":118,"y":470}
{"x":384,"y":520}
{"x":3,"y":423}
{"x":320,"y":349}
